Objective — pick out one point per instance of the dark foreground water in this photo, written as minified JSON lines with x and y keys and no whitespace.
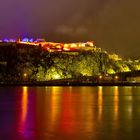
{"x":69,"y":113}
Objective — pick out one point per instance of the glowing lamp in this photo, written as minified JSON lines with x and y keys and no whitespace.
{"x":25,"y":74}
{"x":100,"y":77}
{"x":116,"y":77}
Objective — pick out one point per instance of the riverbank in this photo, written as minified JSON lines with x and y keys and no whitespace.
{"x":71,"y":83}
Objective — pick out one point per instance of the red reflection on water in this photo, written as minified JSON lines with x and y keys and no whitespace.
{"x":68,"y":118}
{"x":77,"y":111}
{"x":59,"y":110}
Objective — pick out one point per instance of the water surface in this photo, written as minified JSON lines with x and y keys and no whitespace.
{"x":69,"y":113}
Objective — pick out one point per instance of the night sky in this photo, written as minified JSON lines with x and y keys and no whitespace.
{"x":112,"y":24}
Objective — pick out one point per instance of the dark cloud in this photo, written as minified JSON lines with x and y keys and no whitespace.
{"x":113,"y":24}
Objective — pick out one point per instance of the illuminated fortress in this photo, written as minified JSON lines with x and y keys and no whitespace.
{"x":52,"y":46}
{"x":30,"y":60}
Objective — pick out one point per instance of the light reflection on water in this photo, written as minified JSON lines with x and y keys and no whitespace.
{"x":100,"y":101}
{"x":116,"y":102}
{"x":24,"y":109}
{"x":70,"y":113}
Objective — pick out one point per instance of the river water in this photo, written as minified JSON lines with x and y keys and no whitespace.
{"x":69,"y":113}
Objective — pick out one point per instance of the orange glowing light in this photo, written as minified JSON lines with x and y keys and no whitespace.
{"x":116,"y":102}
{"x":90,"y":44}
{"x":55,"y":102}
{"x":24,"y":103}
{"x":24,"y":108}
{"x":100,"y":101}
